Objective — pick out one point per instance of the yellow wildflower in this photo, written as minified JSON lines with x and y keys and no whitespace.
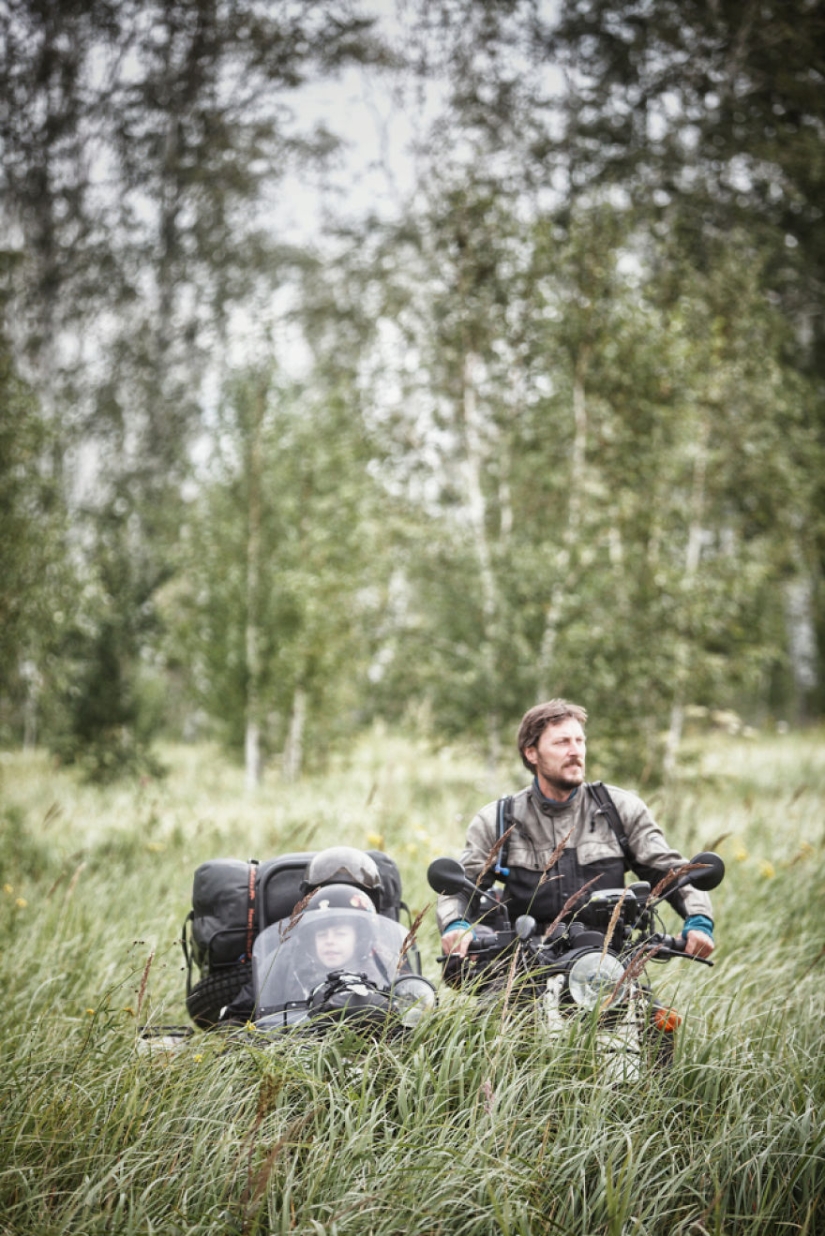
{"x":21,"y":903}
{"x":8,"y":888}
{"x":375,"y":841}
{"x":805,"y":851}
{"x":767,"y":869}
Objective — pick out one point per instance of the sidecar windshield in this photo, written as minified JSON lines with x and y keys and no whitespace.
{"x":290,"y":958}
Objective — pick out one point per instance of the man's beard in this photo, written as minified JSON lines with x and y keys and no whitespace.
{"x":566,"y":783}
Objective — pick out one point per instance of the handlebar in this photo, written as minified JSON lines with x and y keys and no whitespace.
{"x":666,"y":946}
{"x":660,"y":944}
{"x":666,"y":943}
{"x":495,"y":942}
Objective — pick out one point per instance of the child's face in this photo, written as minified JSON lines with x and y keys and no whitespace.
{"x":335,"y":944}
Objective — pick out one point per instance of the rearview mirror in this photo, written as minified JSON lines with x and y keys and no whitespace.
{"x":445,"y":875}
{"x":710,"y":875}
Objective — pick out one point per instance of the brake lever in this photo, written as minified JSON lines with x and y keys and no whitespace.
{"x":672,"y":946}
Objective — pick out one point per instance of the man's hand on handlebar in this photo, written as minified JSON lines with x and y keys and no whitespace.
{"x":456,"y":941}
{"x":697,"y":944}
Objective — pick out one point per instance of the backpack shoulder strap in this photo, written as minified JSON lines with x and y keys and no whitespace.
{"x":609,"y":810}
{"x":504,"y":821}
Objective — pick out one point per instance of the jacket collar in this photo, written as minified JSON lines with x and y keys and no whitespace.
{"x":550,"y":804}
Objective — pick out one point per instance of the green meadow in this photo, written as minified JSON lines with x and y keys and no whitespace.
{"x":477,"y":1123}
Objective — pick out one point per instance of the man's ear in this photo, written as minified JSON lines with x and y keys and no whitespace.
{"x":531,"y":754}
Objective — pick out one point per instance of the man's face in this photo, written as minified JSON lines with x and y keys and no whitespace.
{"x":559,"y":757}
{"x":335,"y":945}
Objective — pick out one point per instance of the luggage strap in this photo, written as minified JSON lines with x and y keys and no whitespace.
{"x":251,"y":898}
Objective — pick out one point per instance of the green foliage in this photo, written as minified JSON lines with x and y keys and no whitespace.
{"x":284,"y":541}
{"x":713,"y":118}
{"x":477,"y":1123}
{"x":617,"y":533}
{"x":24,"y":501}
{"x":122,"y":283}
{"x":711,"y":122}
{"x":559,"y":424}
{"x":37,"y":584}
{"x":107,"y":712}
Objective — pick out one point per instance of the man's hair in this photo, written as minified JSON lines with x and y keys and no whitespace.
{"x":536,"y":720}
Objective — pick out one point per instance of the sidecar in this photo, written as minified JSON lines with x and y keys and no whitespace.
{"x":316,"y":968}
{"x":233,"y":901}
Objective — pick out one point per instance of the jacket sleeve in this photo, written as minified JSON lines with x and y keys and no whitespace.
{"x":653,"y":857}
{"x":481,"y":835}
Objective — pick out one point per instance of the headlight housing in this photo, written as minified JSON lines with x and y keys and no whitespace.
{"x":594,"y":977}
{"x":413,"y":996}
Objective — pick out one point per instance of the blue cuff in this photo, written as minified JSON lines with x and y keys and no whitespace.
{"x":698,"y":922}
{"x":459,"y":923}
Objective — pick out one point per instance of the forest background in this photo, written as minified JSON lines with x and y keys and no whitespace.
{"x":408,"y":363}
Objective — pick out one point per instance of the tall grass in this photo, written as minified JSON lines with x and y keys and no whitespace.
{"x":475,"y":1124}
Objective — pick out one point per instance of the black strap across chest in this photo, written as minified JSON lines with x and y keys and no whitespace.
{"x":609,"y":810}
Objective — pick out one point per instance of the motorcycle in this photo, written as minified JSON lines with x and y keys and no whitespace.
{"x":590,"y":963}
{"x":352,"y":967}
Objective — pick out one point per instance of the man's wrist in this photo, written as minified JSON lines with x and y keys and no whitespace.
{"x":459,"y":924}
{"x":698,"y":922}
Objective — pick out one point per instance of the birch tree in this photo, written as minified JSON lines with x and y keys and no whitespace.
{"x":269,"y":624}
{"x":139,"y":142}
{"x":712,"y":117}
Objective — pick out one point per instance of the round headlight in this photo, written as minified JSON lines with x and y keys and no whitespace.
{"x":593,"y":977}
{"x":413,"y":995}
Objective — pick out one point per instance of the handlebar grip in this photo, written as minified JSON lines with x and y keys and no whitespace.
{"x":663,"y":946}
{"x":486,"y":945}
{"x":490,"y":943}
{"x":660,"y":941}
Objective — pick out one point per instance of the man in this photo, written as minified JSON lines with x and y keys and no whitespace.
{"x":558,"y":815}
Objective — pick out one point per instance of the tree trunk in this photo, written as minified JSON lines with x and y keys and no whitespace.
{"x":565,"y":553}
{"x":681,"y":671}
{"x":252,"y":745}
{"x":252,"y":755}
{"x":294,"y":749}
{"x":802,"y":642}
{"x":31,"y":677}
{"x":477,"y":512}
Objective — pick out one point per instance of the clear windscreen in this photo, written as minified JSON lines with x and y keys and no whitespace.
{"x":291,"y":958}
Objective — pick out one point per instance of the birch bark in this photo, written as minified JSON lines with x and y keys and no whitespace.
{"x":566,"y":552}
{"x":693,"y":553}
{"x":474,"y":464}
{"x":252,"y":737}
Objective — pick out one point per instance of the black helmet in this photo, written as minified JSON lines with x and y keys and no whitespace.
{"x":343,"y":864}
{"x":339,"y":897}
